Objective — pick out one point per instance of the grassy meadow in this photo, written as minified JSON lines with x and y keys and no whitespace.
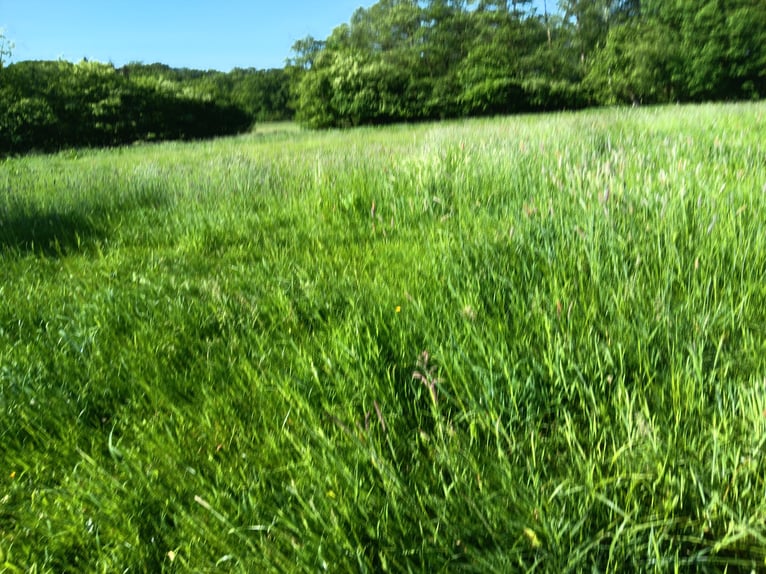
{"x":506,"y":345}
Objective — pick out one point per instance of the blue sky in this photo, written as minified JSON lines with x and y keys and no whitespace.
{"x":201,"y":34}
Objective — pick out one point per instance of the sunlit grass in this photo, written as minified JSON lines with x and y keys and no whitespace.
{"x":519,"y":344}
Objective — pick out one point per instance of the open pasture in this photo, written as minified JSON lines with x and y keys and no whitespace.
{"x":521,"y":344}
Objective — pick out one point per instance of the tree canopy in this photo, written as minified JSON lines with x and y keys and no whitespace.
{"x":6,"y":49}
{"x":52,"y":105}
{"x":410,"y":60}
{"x":407,"y":60}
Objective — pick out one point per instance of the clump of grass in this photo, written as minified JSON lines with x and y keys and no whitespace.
{"x":212,"y":354}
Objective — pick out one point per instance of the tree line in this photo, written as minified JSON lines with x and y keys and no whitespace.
{"x":46,"y":106}
{"x":407,"y":60}
{"x":404,"y":60}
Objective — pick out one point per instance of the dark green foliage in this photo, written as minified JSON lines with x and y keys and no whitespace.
{"x":408,"y":60}
{"x":682,"y":51}
{"x":640,"y":63}
{"x":263,"y":94}
{"x":53,"y":105}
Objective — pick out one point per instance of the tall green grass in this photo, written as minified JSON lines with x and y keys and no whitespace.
{"x":523,"y":344}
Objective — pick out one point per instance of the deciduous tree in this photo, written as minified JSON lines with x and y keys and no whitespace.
{"x":6,"y":49}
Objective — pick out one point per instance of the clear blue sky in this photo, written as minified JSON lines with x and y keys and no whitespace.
{"x":201,"y":34}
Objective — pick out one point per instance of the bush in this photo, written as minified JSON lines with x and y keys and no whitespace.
{"x":51,"y":105}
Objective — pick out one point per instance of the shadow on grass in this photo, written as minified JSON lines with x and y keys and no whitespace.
{"x":52,"y":233}
{"x":57,"y":232}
